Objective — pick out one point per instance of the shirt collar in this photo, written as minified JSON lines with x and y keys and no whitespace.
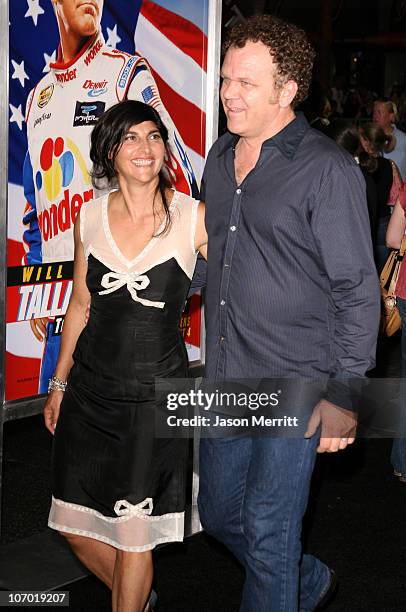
{"x":287,"y":140}
{"x":64,"y":73}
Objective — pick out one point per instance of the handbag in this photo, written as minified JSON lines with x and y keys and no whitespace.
{"x":390,"y":317}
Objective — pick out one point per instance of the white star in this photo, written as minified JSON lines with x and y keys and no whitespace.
{"x":49,"y":59}
{"x":112,"y":37}
{"x":17,"y":116}
{"x":19,"y":72}
{"x":34,"y":10}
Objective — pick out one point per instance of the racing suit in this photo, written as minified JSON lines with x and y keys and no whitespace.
{"x":61,"y":112}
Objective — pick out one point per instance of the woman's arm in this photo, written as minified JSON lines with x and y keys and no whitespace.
{"x":74,"y":323}
{"x":201,"y":233}
{"x":397,"y":227}
{"x":397,"y":184}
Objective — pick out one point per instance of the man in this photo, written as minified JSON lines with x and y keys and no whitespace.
{"x":291,"y":292}
{"x":62,"y":109}
{"x":385,"y":114}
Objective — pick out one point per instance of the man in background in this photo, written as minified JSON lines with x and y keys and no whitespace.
{"x":385,"y":114}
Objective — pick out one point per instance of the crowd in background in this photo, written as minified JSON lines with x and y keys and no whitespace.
{"x":342,"y":101}
{"x":369,"y":127}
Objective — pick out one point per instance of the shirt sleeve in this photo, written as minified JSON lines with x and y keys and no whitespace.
{"x":397,"y":184}
{"x":32,"y":235}
{"x":340,"y":226}
{"x":402,"y":196}
{"x":200,"y":273}
{"x":199,"y":276}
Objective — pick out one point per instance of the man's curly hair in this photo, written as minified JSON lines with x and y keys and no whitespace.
{"x":288,"y":45}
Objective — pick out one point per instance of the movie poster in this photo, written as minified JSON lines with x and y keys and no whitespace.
{"x":152,"y":51}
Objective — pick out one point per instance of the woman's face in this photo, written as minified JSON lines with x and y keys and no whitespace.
{"x":141,"y":153}
{"x":366,"y":145}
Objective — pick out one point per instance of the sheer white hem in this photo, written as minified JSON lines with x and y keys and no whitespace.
{"x":134,"y":530}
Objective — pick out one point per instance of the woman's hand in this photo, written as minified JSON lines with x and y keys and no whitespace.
{"x":51,"y":410}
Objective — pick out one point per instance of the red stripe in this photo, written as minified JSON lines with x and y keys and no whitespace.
{"x":27,"y":110}
{"x":15,"y":253}
{"x":181,"y":32}
{"x":190,"y":321}
{"x":22,"y":376}
{"x":188,"y":118}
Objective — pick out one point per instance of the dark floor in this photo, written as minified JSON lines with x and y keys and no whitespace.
{"x":356,"y":522}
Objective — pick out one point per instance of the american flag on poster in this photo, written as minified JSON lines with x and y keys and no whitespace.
{"x":172,"y":36}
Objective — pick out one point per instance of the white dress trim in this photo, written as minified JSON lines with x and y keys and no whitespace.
{"x":112,"y":243}
{"x":188,"y":270}
{"x":134,"y":529}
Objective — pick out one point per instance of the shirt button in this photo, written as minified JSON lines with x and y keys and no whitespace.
{"x":222,"y":338}
{"x":226,"y":265}
{"x":238,"y":191}
{"x":222,"y":303}
{"x":233,"y":228}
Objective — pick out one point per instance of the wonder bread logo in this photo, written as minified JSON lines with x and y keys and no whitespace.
{"x":58,"y":161}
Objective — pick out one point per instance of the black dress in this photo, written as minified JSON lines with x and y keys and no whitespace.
{"x":113,"y":479}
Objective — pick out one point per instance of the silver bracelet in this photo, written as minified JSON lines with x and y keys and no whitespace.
{"x":56,"y":384}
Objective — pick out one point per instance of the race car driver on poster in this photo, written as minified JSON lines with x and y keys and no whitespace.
{"x":85,"y":76}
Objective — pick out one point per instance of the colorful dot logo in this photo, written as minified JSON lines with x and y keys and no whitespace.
{"x":57,"y":166}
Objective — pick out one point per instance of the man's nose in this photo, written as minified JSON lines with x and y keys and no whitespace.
{"x":230,"y":89}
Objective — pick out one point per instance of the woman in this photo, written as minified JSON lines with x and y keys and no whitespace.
{"x":346,"y":135}
{"x":387,"y":180}
{"x":394,"y":235}
{"x":118,"y":491}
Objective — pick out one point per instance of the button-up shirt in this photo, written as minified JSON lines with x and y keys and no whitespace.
{"x":291,"y":287}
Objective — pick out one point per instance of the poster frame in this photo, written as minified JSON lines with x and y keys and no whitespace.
{"x":30,"y":406}
{"x":4,"y":53}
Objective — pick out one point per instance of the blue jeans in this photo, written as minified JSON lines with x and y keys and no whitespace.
{"x":398,"y":455}
{"x":253,"y":495}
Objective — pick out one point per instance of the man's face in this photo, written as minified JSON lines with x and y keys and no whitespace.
{"x":248,"y":92}
{"x":82,"y":17}
{"x":382,"y":116}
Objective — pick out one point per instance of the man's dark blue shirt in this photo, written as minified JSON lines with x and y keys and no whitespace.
{"x":291,"y":287}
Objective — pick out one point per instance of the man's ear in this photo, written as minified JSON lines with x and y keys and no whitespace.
{"x":287,"y":93}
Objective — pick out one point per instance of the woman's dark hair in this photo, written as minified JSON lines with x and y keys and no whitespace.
{"x":378,"y":140}
{"x":107,"y":137}
{"x":347,"y":136}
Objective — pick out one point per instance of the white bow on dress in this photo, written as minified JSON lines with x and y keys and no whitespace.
{"x":112,"y":281}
